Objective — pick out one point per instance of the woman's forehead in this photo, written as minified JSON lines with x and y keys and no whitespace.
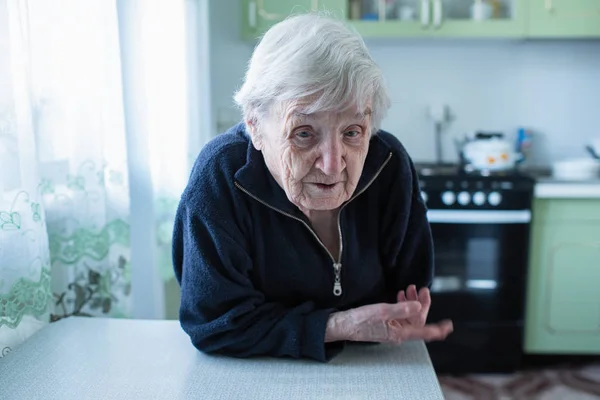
{"x":350,"y":113}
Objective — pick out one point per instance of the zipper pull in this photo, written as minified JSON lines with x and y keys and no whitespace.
{"x":337,"y":284}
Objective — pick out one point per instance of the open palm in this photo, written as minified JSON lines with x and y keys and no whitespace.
{"x":389,"y":323}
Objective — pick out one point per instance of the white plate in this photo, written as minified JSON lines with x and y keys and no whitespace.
{"x":576,"y":169}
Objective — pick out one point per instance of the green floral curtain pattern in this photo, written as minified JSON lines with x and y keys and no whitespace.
{"x":81,"y":141}
{"x":25,"y":281}
{"x":73,"y":71}
{"x":64,"y":191}
{"x":25,"y":289}
{"x":89,"y":243}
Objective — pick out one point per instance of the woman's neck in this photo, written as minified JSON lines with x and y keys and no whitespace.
{"x":325,"y":225}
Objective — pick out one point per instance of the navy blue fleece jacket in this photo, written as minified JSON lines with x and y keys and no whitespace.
{"x":255,"y":279}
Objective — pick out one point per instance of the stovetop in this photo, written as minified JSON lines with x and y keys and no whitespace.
{"x":460,"y":171}
{"x":450,"y":186}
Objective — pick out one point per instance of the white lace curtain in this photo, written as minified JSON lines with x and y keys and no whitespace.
{"x":95,"y":149}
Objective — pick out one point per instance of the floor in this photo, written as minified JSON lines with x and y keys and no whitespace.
{"x":562,"y":382}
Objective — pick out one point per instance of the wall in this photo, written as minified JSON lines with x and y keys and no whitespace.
{"x":228,"y":59}
{"x":552,"y":87}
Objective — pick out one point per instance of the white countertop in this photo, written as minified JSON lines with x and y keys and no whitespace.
{"x":555,"y":188}
{"x":95,"y":358}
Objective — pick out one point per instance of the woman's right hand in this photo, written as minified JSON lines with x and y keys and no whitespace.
{"x":384,"y":323}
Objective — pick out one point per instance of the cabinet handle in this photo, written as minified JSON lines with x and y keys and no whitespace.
{"x":252,"y":14}
{"x":425,"y":13}
{"x":437,"y":13}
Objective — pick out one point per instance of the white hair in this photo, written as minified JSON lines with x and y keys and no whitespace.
{"x":312,"y":56}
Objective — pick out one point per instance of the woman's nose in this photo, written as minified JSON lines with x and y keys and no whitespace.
{"x":332,"y":158}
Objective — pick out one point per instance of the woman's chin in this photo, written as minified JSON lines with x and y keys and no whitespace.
{"x":322,"y":203}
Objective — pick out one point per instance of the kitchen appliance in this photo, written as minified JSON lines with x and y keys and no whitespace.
{"x":480,"y":226}
{"x":488,"y":152}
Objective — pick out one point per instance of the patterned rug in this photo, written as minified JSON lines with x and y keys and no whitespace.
{"x":555,"y":383}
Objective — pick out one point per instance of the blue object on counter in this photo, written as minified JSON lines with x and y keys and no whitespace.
{"x":370,"y":17}
{"x":523,"y":144}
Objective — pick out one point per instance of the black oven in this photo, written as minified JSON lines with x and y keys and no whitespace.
{"x":480,"y":226}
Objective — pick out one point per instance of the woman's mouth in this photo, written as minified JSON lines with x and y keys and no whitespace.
{"x":325,"y":186}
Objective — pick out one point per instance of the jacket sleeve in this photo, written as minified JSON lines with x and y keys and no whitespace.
{"x":220,"y":309}
{"x":409,"y":243}
{"x":415,"y":263}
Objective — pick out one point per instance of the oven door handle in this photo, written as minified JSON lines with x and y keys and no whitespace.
{"x":479,"y":216}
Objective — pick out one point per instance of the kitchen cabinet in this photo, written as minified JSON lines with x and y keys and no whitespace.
{"x":440,"y":18}
{"x":564,"y":18}
{"x":259,"y":15}
{"x":563,"y":297}
{"x":398,"y":18}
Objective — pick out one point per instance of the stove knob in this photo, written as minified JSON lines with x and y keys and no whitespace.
{"x":494,"y":198}
{"x":464,"y":198}
{"x":424,"y":197}
{"x":479,"y":199}
{"x":448,"y":198}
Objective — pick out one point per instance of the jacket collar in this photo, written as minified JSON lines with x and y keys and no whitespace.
{"x":255,"y":178}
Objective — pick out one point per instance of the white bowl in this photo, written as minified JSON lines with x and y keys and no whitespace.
{"x":576,"y":169}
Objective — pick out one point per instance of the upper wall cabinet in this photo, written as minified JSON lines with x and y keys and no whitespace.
{"x":564,"y":18}
{"x":445,"y":18}
{"x":439,"y":18}
{"x":259,"y":15}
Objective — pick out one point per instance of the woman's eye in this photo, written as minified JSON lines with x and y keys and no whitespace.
{"x":352,"y":134}
{"x":303,"y":134}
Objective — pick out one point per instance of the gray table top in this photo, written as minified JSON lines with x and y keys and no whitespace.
{"x":94,"y":358}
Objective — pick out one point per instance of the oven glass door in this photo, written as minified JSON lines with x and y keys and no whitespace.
{"x":480,"y":263}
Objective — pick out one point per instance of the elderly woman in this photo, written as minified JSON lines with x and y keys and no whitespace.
{"x":302,"y":228}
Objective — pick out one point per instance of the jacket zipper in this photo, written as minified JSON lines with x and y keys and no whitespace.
{"x":337,"y":265}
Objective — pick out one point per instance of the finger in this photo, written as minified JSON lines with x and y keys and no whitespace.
{"x":401,"y":297}
{"x":411,"y":293}
{"x":437,"y":331}
{"x":447,"y":326}
{"x":427,"y":333}
{"x":425,"y":299}
{"x":401,"y":311}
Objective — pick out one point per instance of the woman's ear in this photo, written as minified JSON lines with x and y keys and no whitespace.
{"x":254,"y":134}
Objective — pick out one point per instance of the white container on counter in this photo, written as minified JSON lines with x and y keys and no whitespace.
{"x":579,"y":169}
{"x":481,"y":10}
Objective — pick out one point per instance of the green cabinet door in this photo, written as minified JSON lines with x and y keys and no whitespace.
{"x":564,"y":18}
{"x":406,"y":18}
{"x":563,"y":299}
{"x":259,"y":15}
{"x":507,"y":19}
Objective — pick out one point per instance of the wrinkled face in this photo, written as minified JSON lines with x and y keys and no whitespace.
{"x":316,"y":158}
